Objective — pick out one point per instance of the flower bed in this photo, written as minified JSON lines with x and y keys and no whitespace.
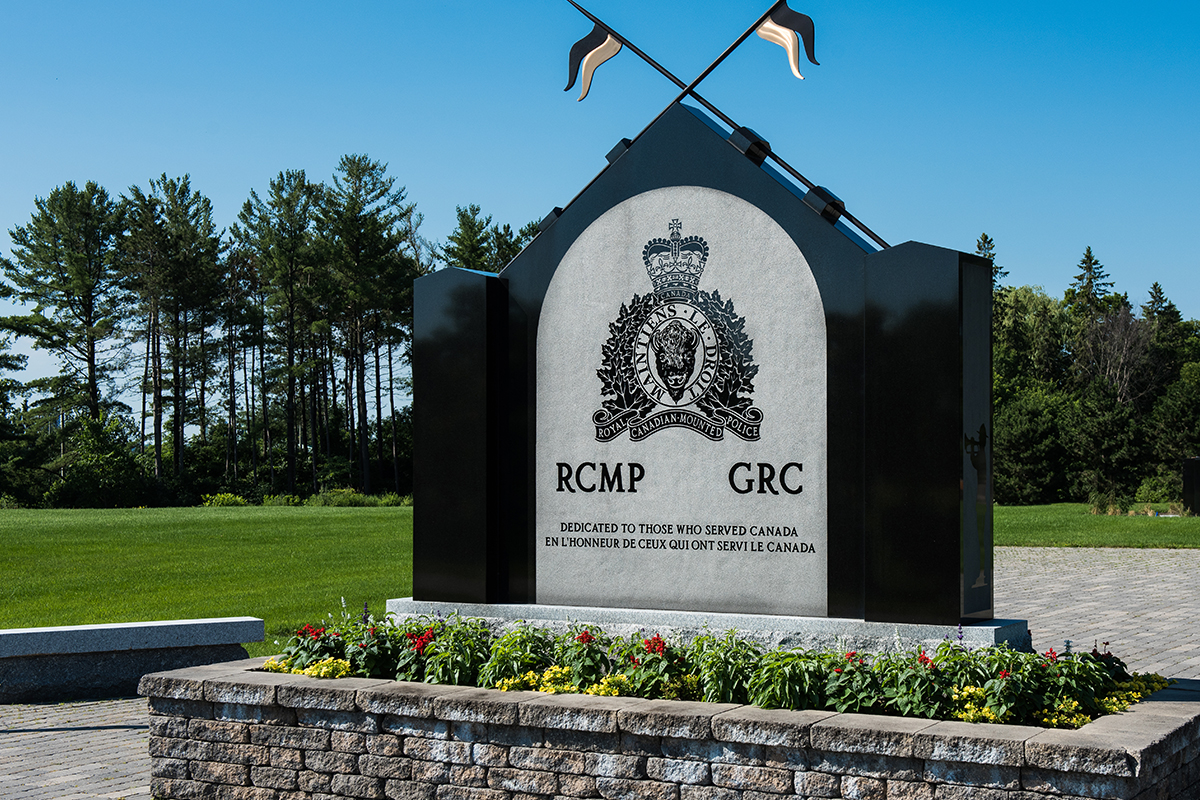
{"x":953,"y":682}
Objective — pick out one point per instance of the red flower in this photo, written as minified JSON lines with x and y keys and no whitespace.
{"x":308,"y":631}
{"x":1003,"y":674}
{"x":837,"y":669}
{"x":419,"y":642}
{"x":655,"y":645}
{"x":924,"y":660}
{"x":850,"y":656}
{"x":1050,"y":654}
{"x":585,"y":637}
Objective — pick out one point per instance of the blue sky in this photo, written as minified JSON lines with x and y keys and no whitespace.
{"x":1051,"y":126}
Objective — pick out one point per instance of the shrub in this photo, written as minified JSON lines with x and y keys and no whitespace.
{"x":223,"y":499}
{"x":341,"y":498}
{"x":281,"y":500}
{"x":1165,"y":486}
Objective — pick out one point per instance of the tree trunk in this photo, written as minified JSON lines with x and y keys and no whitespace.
{"x":392,"y":402}
{"x":290,"y":408}
{"x":251,"y":405}
{"x":378,"y":407}
{"x":145,"y":385}
{"x":364,"y":438}
{"x":156,"y":376}
{"x":231,"y":431}
{"x":350,"y":423}
{"x":178,"y":397}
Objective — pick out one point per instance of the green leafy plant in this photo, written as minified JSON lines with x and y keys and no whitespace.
{"x":523,"y":649}
{"x":418,"y":633}
{"x":851,"y":685}
{"x":655,"y":668}
{"x":458,"y":652}
{"x":988,"y":684}
{"x":724,"y":667}
{"x":310,"y":645}
{"x":912,"y":686}
{"x":789,"y":679}
{"x":584,"y":650}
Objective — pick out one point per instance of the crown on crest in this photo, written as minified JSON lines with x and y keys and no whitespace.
{"x":676,"y":264}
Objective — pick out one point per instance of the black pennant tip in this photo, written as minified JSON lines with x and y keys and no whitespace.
{"x":581,"y":49}
{"x":802,"y":24}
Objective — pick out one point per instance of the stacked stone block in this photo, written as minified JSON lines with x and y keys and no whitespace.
{"x":227,"y":731}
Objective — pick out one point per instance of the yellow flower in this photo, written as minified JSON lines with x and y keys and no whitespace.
{"x":329,"y":668}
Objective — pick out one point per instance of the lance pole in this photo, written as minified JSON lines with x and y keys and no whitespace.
{"x":662,"y":70}
{"x":690,"y":90}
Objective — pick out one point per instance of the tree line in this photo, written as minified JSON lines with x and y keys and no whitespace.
{"x":273,"y":357}
{"x":1093,"y":400}
{"x":269,"y":358}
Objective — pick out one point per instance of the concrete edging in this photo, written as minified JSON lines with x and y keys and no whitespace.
{"x":230,"y":725}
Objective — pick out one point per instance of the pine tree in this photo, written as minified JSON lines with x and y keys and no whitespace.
{"x":279,"y":231}
{"x":985,"y":246}
{"x":363,"y":221}
{"x":66,"y":264}
{"x":1088,"y":291}
{"x":1159,"y":307}
{"x":470,"y":245}
{"x":172,"y":261}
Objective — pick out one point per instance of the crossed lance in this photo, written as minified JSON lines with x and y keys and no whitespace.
{"x":780,"y":25}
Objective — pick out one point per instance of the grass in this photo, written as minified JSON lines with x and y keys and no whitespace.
{"x":1070,"y":525}
{"x":290,"y":566}
{"x":287,"y":566}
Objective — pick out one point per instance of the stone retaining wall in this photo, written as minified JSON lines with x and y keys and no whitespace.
{"x":226,"y":731}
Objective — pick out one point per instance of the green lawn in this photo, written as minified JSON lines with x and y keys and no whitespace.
{"x":290,"y":566}
{"x":286,"y":565}
{"x":1070,"y":525}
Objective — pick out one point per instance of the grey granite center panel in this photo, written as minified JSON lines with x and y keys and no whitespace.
{"x":709,"y":493}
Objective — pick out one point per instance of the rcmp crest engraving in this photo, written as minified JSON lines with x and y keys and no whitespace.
{"x":677,"y":357}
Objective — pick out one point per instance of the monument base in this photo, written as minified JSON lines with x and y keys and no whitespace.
{"x":768,"y":630}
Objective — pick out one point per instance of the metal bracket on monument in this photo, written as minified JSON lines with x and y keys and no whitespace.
{"x":550,"y":219}
{"x":749,"y":143}
{"x":619,"y":149}
{"x":825,"y":203}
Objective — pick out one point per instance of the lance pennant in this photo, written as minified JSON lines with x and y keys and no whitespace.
{"x":782,"y":26}
{"x":592,"y":50}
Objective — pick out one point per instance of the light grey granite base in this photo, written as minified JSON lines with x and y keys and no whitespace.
{"x":129,"y":636}
{"x":93,"y":661}
{"x":770,"y":631}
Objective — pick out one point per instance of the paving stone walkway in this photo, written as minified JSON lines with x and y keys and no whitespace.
{"x":1145,"y":603}
{"x":75,"y":751}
